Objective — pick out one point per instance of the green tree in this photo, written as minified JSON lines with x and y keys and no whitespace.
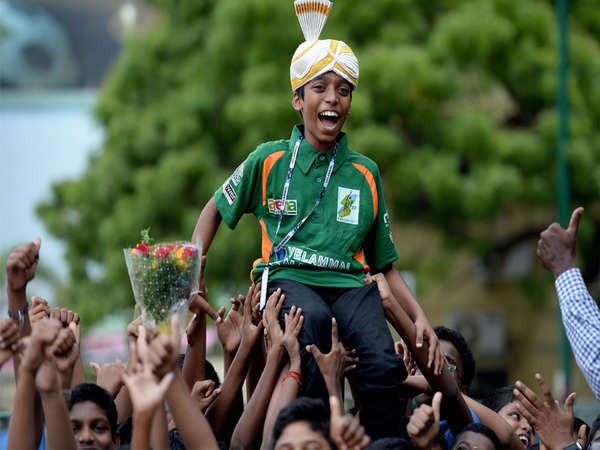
{"x":456,"y":103}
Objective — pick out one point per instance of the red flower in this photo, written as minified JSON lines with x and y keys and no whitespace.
{"x":143,"y":248}
{"x":189,"y":251}
{"x":161,"y":251}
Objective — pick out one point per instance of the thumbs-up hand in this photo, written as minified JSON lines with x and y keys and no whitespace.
{"x":424,"y":423}
{"x":557,"y":247}
{"x":346,"y":430}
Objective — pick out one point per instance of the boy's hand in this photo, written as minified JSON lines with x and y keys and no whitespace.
{"x":293,"y":325}
{"x":407,"y":356}
{"x":9,"y":335}
{"x":204,"y":393}
{"x":21,"y":264}
{"x":43,"y":335}
{"x":346,"y":430}
{"x":557,"y":247}
{"x":65,"y":316}
{"x":384,"y":288}
{"x":332,"y":365}
{"x":229,"y":328}
{"x":66,"y":351}
{"x":145,"y":390}
{"x":109,"y":376}
{"x":250,"y":332}
{"x":271,"y":318}
{"x":424,"y":423}
{"x":553,"y":425}
{"x":162,"y":351}
{"x":40,"y":309}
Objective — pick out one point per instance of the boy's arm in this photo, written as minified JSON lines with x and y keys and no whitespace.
{"x":231,"y":388}
{"x":424,"y":330}
{"x":207,"y":225}
{"x":443,"y":382}
{"x":248,"y":430}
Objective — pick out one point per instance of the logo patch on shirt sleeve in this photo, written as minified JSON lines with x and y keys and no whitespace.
{"x":229,"y":193}
{"x":348,"y":204}
{"x":236,"y":178}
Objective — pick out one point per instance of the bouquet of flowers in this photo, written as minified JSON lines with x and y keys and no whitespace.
{"x":162,"y":277}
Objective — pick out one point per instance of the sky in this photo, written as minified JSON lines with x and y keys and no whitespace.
{"x":44,"y":138}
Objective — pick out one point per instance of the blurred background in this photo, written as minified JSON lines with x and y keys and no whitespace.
{"x":118,"y":115}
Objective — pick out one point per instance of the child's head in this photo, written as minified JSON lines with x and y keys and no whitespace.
{"x":504,"y":402}
{"x":458,"y":353}
{"x":477,"y":435}
{"x":324,"y":103}
{"x":304,"y":421}
{"x":93,"y":417}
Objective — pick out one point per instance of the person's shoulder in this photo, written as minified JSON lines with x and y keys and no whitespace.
{"x":267,"y":148}
{"x":358,"y":158}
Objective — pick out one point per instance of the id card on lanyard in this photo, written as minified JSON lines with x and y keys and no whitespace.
{"x":294,"y":230}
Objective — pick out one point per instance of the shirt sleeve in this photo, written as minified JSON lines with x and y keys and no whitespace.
{"x":379,"y":245}
{"x":237,"y":195}
{"x":581,"y":318}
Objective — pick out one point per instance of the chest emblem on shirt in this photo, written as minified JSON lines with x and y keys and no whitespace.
{"x":348,"y":205}
{"x":276,"y":207}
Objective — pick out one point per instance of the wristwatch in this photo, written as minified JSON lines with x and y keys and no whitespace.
{"x":19,"y":315}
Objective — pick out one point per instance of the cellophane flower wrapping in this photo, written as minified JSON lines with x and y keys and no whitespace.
{"x":162,"y":278}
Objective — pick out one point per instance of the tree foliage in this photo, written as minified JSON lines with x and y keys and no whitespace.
{"x":456,"y":103}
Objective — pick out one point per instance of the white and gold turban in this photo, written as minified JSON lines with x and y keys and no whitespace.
{"x":316,"y":57}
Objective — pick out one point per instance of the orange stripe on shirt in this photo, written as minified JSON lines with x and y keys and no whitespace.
{"x":265,"y":247}
{"x":267,"y":166}
{"x":371,"y":182}
{"x":360,"y":257}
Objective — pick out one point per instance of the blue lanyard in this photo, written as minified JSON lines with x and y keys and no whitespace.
{"x":286,"y":187}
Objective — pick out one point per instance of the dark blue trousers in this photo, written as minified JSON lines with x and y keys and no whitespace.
{"x":361,"y":326}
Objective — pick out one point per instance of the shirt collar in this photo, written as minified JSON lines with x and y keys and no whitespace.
{"x":307,"y":154}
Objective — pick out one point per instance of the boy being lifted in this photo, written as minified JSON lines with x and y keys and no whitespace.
{"x":325,"y":226}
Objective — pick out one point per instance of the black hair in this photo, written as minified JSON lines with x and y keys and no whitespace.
{"x":311,"y":410}
{"x":90,"y":392}
{"x":466,"y":355}
{"x":500,"y":398}
{"x":300,"y":92}
{"x":481,"y":429}
{"x":391,"y":443}
{"x":593,"y":430}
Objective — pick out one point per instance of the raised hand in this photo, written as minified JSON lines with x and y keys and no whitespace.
{"x":21,"y":265}
{"x":250,"y":331}
{"x":9,"y":335}
{"x":9,"y":339}
{"x":40,"y":309}
{"x":346,"y":430}
{"x":146,"y":390}
{"x":293,"y":325}
{"x":43,"y":335}
{"x":201,"y":308}
{"x":229,"y":328}
{"x":66,"y":348}
{"x":162,"y":349}
{"x":65,"y":316}
{"x":553,"y":424}
{"x":407,"y":356}
{"x":557,"y":247}
{"x":109,"y":376}
{"x":424,"y":423}
{"x":204,"y":392}
{"x":271,"y":318}
{"x":332,"y":364}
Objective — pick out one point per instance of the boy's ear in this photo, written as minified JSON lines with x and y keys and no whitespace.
{"x":297,"y":103}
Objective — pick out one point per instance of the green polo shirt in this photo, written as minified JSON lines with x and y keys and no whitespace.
{"x":347,"y":235}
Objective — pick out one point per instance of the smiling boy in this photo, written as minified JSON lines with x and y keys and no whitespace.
{"x":324,"y":226}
